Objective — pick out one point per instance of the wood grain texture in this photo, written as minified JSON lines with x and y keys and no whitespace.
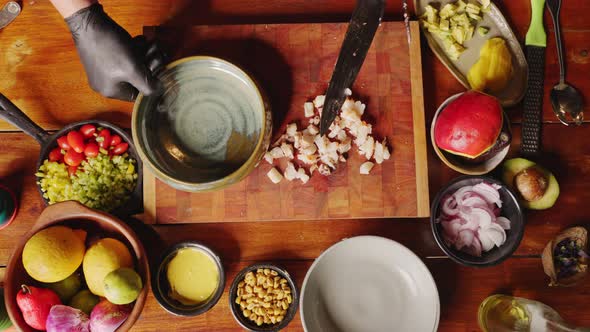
{"x":423,"y":201}
{"x":566,"y":155}
{"x":41,"y":73}
{"x":303,"y":56}
{"x":51,"y":88}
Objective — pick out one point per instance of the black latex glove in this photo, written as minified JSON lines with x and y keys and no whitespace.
{"x":117,"y":65}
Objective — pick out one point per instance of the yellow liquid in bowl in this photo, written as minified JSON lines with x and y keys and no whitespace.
{"x":193,"y":276}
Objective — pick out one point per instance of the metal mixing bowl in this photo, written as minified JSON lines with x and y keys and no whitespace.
{"x":208,"y":128}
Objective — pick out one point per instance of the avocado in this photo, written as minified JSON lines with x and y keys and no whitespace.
{"x":542,"y":188}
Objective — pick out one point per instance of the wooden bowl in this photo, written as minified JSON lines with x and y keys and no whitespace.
{"x":75,"y":215}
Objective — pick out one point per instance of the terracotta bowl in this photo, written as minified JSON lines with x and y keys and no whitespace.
{"x":75,"y":215}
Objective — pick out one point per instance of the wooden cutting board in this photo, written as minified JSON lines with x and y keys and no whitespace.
{"x":293,"y":63}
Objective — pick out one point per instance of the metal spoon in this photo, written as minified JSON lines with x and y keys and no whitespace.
{"x":565,"y":99}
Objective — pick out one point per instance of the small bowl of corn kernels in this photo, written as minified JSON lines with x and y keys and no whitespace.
{"x":263,"y":297}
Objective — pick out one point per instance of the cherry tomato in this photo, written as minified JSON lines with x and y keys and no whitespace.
{"x":91,"y":150}
{"x":120,"y":149}
{"x":73,"y":158}
{"x":72,"y":170}
{"x":76,"y":141}
{"x":115,"y":140}
{"x":63,"y":143}
{"x":88,"y":130}
{"x":55,"y":155}
{"x":104,"y":139}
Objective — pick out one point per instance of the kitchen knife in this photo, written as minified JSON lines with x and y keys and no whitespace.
{"x":8,"y":13}
{"x":357,"y":41}
{"x":407,"y":20}
{"x":536,"y":42}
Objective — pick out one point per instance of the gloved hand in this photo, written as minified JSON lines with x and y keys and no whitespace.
{"x":117,"y":65}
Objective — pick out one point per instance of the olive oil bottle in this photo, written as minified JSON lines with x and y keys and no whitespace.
{"x":503,"y":313}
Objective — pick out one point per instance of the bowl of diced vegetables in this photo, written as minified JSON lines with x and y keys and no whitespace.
{"x":477,"y":45}
{"x":94,"y":163}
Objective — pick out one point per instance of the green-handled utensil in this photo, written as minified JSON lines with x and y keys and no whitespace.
{"x":536,"y":42}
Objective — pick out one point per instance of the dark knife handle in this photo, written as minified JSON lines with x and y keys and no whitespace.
{"x":533,"y":102}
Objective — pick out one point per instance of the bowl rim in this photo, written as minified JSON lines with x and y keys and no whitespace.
{"x":374,"y":237}
{"x":441,"y":155}
{"x":230,"y":178}
{"x":15,"y":206}
{"x":57,"y":214}
{"x":160,"y":268}
{"x":451,"y":252}
{"x":291,"y":312}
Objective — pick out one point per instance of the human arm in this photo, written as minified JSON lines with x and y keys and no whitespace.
{"x":117,"y":65}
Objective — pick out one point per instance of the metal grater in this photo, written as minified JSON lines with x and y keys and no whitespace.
{"x":536,"y":42}
{"x":533,"y":101}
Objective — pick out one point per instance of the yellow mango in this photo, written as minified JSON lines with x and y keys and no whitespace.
{"x":492,"y":72}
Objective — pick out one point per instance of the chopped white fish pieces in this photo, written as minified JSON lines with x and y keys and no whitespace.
{"x":308,"y":152}
{"x":345,"y":145}
{"x":334,"y":130}
{"x":276,"y":153}
{"x":313,"y":129}
{"x":309,"y":110}
{"x":318,"y":102}
{"x":324,"y":170}
{"x":274,"y":175}
{"x":378,"y":153}
{"x":367,"y":148}
{"x":309,"y":159}
{"x":291,"y":130}
{"x":287,"y":150}
{"x":366,"y":167}
{"x":301,"y":175}
{"x":290,"y":172}
{"x":268,"y":157}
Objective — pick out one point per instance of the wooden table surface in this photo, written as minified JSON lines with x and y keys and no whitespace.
{"x":40,"y":72}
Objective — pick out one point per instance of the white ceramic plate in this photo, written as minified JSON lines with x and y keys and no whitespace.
{"x":499,"y":27}
{"x":369,"y":283}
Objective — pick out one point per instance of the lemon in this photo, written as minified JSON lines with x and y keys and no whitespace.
{"x":53,"y":254}
{"x":103,"y":257}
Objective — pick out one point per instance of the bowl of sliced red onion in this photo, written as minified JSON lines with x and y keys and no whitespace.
{"x":477,"y":221}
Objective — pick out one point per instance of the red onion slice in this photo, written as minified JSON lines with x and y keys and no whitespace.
{"x":488,"y":192}
{"x":471,"y":219}
{"x":486,"y":242}
{"x":475,"y":248}
{"x":450,"y":206}
{"x":504,"y":222}
{"x":465,"y":239}
{"x":496,"y":234}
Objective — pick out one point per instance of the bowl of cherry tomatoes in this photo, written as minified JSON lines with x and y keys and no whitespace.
{"x":94,"y":163}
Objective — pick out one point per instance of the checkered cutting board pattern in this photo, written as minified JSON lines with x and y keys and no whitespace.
{"x":293,"y":63}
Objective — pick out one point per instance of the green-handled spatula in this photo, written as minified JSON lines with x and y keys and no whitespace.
{"x":536,"y":42}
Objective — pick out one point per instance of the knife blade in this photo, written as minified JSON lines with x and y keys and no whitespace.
{"x":535,"y":43}
{"x":357,"y":41}
{"x":407,"y":20}
{"x":8,"y":13}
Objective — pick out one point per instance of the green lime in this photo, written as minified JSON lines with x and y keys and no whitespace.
{"x":66,"y":288}
{"x":84,"y":300}
{"x":122,"y":286}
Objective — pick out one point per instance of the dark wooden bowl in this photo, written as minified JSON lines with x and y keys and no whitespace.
{"x":96,"y":223}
